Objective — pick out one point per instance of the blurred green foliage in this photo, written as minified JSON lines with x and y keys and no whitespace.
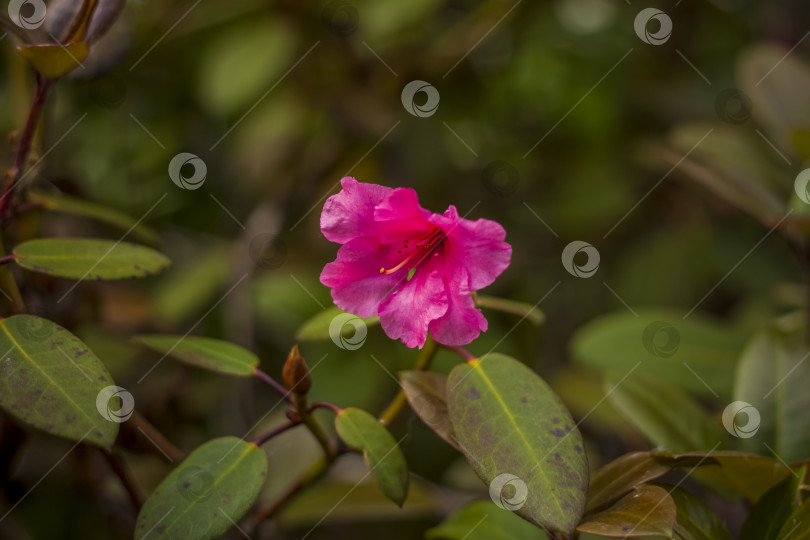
{"x":281,"y":100}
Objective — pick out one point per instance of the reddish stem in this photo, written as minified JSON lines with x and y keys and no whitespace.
{"x":325,"y":405}
{"x":261,"y":375}
{"x":277,"y":431}
{"x":14,"y":174}
{"x":461,"y":351}
{"x":7,"y":259}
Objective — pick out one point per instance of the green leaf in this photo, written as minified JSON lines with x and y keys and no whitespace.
{"x":53,"y":60}
{"x":318,"y":328}
{"x":797,"y":527}
{"x":746,"y":474}
{"x":79,"y":207}
{"x":696,"y":521}
{"x":520,"y":440}
{"x":483,"y":520}
{"x":773,"y":509}
{"x":207,"y":493}
{"x":360,"y":430}
{"x":86,"y":259}
{"x":427,"y":394}
{"x":52,"y":381}
{"x":212,"y":354}
{"x":772,"y":376}
{"x":522,"y":309}
{"x":667,"y":416}
{"x":663,"y":346}
{"x":646,"y":511}
{"x":621,"y":475}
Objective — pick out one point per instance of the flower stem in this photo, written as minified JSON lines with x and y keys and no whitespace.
{"x":315,"y":428}
{"x":5,"y":259}
{"x":422,"y":363}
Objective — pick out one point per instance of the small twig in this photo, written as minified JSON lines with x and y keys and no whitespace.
{"x":422,"y":363}
{"x":461,"y":351}
{"x":7,"y":259}
{"x":264,"y":377}
{"x":120,"y":468}
{"x":156,"y":437}
{"x":277,"y":431}
{"x":13,"y":175}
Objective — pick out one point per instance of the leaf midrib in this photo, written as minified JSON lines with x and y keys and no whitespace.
{"x":538,"y":467}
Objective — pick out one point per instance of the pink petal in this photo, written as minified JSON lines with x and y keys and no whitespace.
{"x":350,"y":213}
{"x":476,"y":245}
{"x":462,"y":322}
{"x":400,"y":216}
{"x":408,"y":312}
{"x":357,"y":284}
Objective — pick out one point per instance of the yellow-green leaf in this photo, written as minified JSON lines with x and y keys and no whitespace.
{"x":86,"y":259}
{"x":51,"y":380}
{"x":360,"y":430}
{"x":207,"y":493}
{"x":212,"y":354}
{"x":646,"y":511}
{"x":520,"y":440}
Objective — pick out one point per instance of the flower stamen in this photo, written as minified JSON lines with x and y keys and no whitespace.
{"x":429,"y":242}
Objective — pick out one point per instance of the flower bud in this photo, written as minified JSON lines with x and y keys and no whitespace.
{"x":296,"y":375}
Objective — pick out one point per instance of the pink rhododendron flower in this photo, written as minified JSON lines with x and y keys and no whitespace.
{"x":415,"y":269}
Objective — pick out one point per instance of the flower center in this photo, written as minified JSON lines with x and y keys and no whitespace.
{"x":424,"y":245}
